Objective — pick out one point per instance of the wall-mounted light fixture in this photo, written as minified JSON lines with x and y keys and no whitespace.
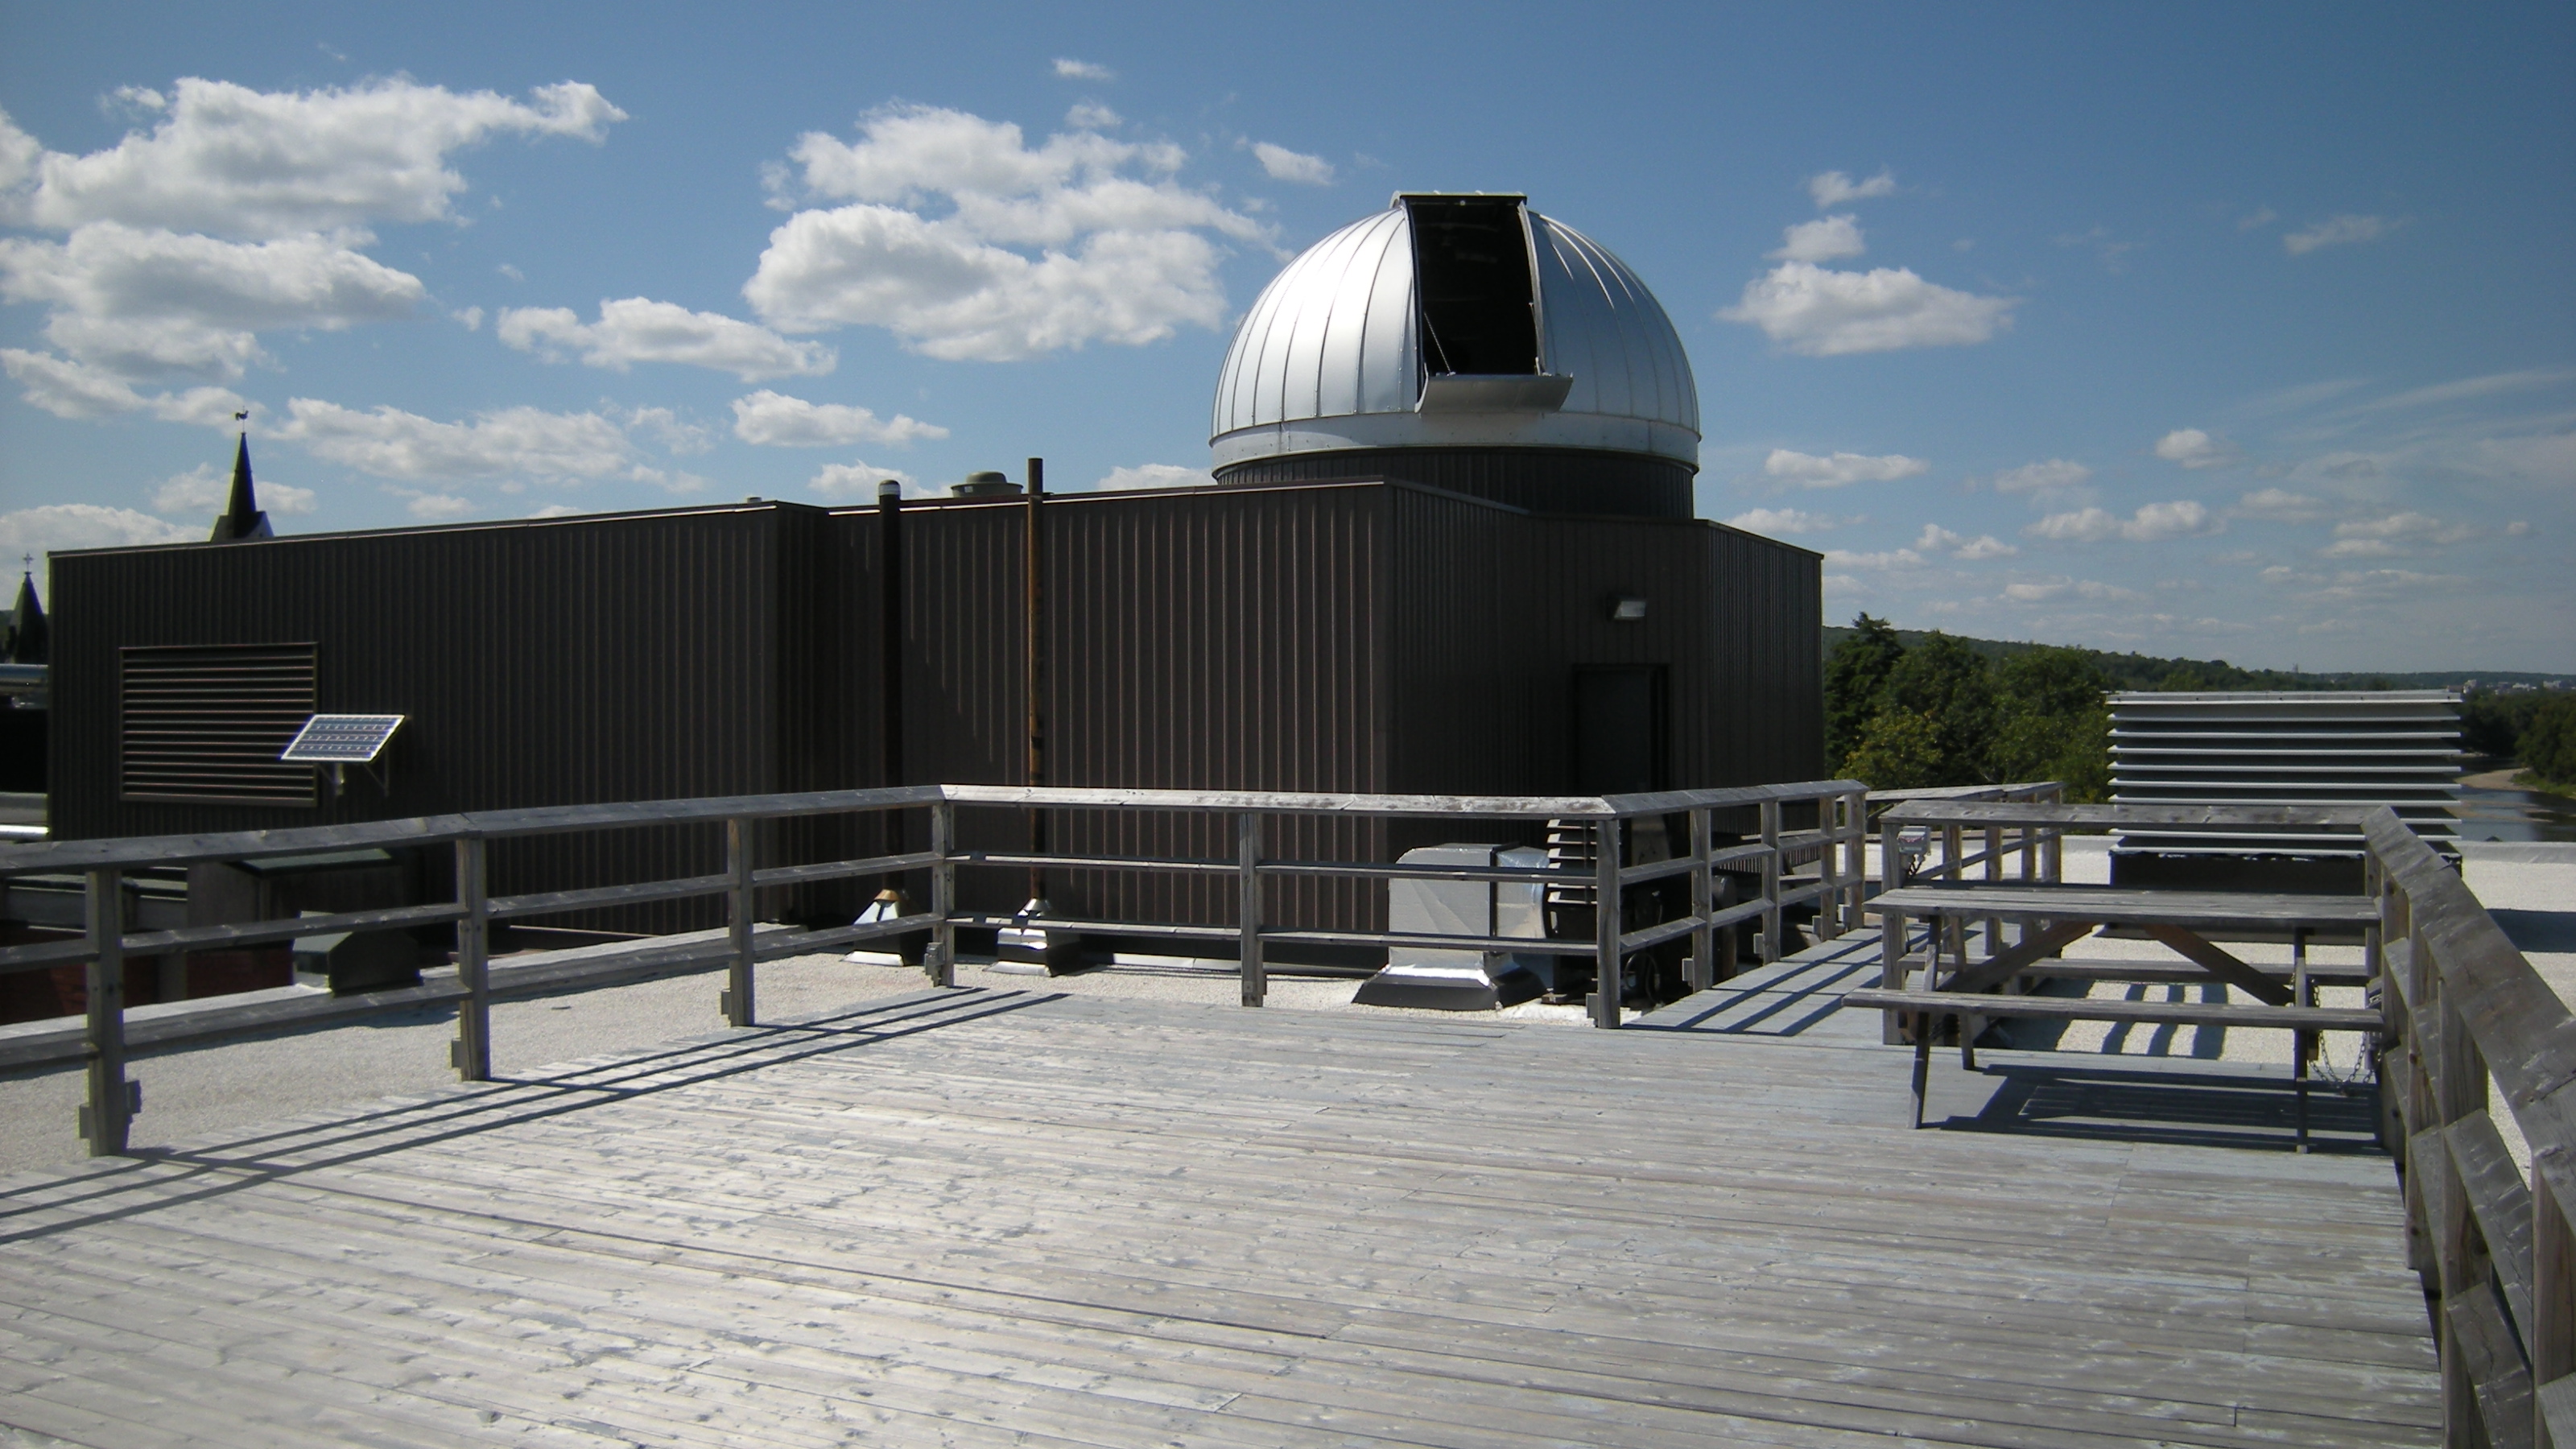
{"x":1626,"y":608}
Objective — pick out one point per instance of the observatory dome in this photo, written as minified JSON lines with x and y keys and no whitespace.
{"x":1468,"y":342}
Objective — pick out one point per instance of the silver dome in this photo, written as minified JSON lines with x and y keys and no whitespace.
{"x":1329,"y":358}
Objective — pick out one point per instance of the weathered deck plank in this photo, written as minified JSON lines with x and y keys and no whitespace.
{"x":985,"y":1217}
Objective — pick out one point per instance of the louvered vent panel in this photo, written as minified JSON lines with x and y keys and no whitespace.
{"x":205,"y":724}
{"x":2398,"y":748}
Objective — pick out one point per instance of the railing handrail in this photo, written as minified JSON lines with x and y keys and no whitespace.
{"x":56,"y":856}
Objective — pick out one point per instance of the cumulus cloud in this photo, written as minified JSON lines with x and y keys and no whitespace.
{"x":2042,"y":479}
{"x":203,"y":491}
{"x":1897,"y":558}
{"x":2049,"y":590}
{"x":439,"y":507}
{"x":2393,"y":534}
{"x":637,"y":330}
{"x":774,"y":420}
{"x":83,"y":525}
{"x":1822,"y":313}
{"x":2150,"y":524}
{"x":232,"y":161}
{"x":1072,"y":69}
{"x":1810,"y":471}
{"x":1936,"y":539}
{"x":1833,"y":188}
{"x":2193,"y":448}
{"x":859,"y":481}
{"x":2279,"y":505}
{"x":2335,"y":231}
{"x":1092,"y":116}
{"x":1155,"y":475}
{"x":239,"y":212}
{"x":1283,"y":164}
{"x":1821,"y":240}
{"x":943,"y":209}
{"x":1788,"y":520}
{"x":520,"y":442}
{"x":80,"y":392}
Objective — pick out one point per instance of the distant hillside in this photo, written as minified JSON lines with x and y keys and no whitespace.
{"x":2144,"y":671}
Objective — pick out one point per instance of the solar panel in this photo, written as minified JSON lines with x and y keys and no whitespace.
{"x":342,"y":739}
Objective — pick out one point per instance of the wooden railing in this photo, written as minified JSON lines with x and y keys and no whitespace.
{"x":1834,"y":844}
{"x":2469,"y":1021}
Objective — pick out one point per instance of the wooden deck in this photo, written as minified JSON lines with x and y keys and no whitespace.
{"x":992,"y":1218}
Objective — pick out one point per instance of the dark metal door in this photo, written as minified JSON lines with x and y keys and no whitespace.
{"x":1619,"y":745}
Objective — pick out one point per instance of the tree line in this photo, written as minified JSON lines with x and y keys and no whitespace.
{"x":2534,"y":728}
{"x":1941,"y":713}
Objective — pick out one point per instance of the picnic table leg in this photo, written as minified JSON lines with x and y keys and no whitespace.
{"x":1922,"y":1061}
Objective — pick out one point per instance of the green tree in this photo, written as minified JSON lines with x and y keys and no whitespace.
{"x":2549,"y":745}
{"x":1951,"y":686}
{"x":1899,"y":750}
{"x":2052,"y":722}
{"x":1854,"y":674}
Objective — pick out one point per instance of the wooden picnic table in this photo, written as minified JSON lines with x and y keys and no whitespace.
{"x":2053,"y":916}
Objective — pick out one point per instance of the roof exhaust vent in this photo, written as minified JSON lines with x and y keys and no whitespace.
{"x":986,"y":485}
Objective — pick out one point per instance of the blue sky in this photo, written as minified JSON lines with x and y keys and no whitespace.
{"x":2233,"y":331}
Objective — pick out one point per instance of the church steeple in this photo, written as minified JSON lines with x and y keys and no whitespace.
{"x":27,"y":636}
{"x":241,"y":517}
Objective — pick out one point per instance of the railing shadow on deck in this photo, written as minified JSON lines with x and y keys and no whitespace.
{"x":272,"y":1154}
{"x":2099,"y":1102}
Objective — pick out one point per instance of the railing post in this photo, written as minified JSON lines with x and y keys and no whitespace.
{"x":741,"y":900}
{"x":1703,"y":958}
{"x":471,"y":1054}
{"x":1855,"y":857}
{"x":1247,"y":846}
{"x":1607,"y":960}
{"x":1995,"y":873}
{"x":2552,"y":1334}
{"x":113,"y":1100}
{"x":940,"y":962}
{"x":1770,"y":881}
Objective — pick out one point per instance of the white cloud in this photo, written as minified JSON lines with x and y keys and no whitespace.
{"x":1891,"y":559}
{"x":2471,"y":387}
{"x":203,"y":491}
{"x":237,"y":162}
{"x":639,"y":330}
{"x":1072,"y":69}
{"x":2049,"y":590}
{"x":1833,"y":188}
{"x":1821,"y":240}
{"x":78,"y":391}
{"x":1155,"y":475}
{"x":2150,"y":524}
{"x":1822,"y":313}
{"x":2344,"y":230}
{"x":774,"y":420}
{"x":82,"y":525}
{"x":1788,"y":520}
{"x":668,"y":430}
{"x":1936,"y":539}
{"x":2259,"y":216}
{"x":859,"y":480}
{"x":1092,"y":116}
{"x":143,"y":302}
{"x":2279,"y":505}
{"x":2193,"y":448}
{"x":470,"y":318}
{"x":2517,"y":528}
{"x":512,"y":442}
{"x":438,"y":507}
{"x":2054,"y":475}
{"x":1283,"y":164}
{"x":1809,"y":471}
{"x":2393,"y":534}
{"x":1121,"y":255}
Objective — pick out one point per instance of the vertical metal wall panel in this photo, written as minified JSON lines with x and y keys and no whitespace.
{"x":1559,"y":480}
{"x":540,"y":663}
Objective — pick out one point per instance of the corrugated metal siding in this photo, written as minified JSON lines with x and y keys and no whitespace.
{"x":1543,"y":480}
{"x":541,"y":663}
{"x":2398,"y":748}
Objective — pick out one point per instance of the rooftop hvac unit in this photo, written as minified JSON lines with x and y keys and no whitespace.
{"x":2398,"y":748}
{"x":1461,"y":980}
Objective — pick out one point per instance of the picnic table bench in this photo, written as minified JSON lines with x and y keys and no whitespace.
{"x":2052,"y":916}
